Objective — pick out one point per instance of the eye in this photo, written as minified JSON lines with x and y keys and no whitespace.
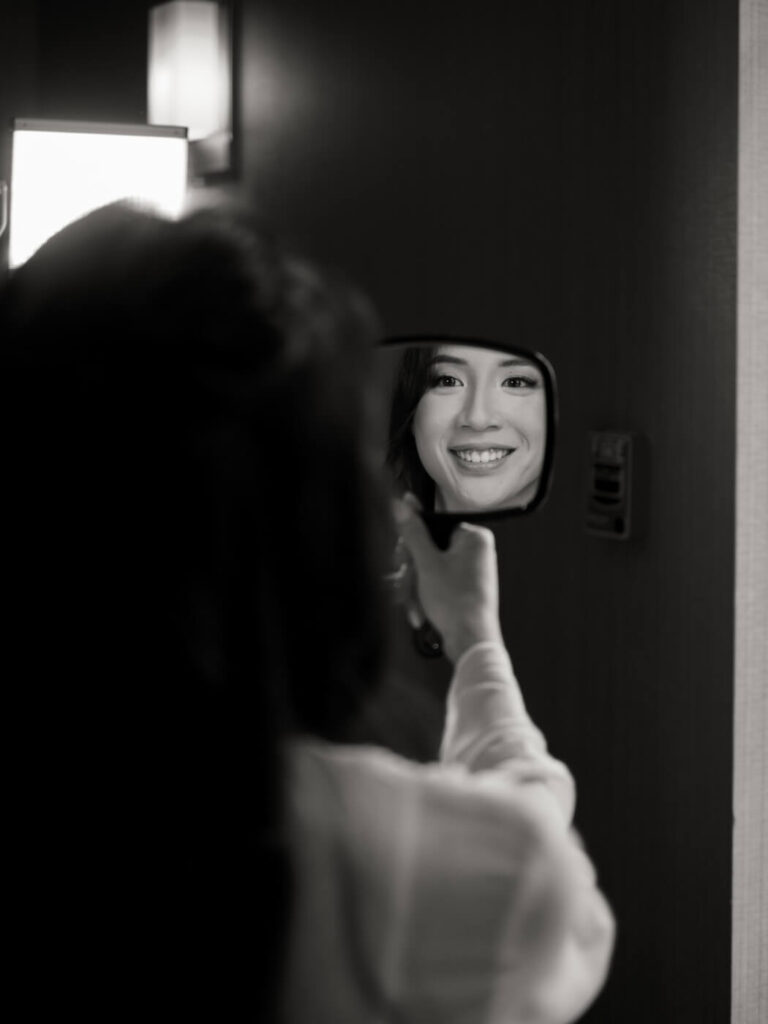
{"x":521,"y":383}
{"x":445,"y":380}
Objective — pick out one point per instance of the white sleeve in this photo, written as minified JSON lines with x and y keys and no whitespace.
{"x":436,"y":894}
{"x":553,"y":894}
{"x":488,"y":728}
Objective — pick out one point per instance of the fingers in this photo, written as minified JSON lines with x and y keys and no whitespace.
{"x":456,"y":590}
{"x":466,"y":537}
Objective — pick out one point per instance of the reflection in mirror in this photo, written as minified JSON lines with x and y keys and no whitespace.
{"x":470,"y":424}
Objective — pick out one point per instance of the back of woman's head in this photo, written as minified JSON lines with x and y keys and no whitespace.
{"x":195,"y":546}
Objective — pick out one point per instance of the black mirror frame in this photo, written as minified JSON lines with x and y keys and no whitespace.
{"x":443,"y":523}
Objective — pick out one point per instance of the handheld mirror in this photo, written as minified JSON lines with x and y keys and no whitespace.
{"x":471,"y":427}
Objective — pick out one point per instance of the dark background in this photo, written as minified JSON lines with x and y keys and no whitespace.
{"x":561,"y":175}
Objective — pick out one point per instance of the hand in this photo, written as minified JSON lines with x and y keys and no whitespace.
{"x":457,"y":589}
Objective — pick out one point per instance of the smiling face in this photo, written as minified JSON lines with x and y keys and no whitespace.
{"x":481,"y":428}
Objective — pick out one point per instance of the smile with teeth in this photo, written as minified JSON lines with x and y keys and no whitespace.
{"x":481,"y":456}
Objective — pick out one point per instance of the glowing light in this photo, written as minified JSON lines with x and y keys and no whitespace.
{"x":63,"y":170}
{"x":190,"y":67}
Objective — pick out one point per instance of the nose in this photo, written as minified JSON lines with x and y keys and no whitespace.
{"x":480,"y":411}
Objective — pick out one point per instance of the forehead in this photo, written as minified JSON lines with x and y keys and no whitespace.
{"x":477,"y":358}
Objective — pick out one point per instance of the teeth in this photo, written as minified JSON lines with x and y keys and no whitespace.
{"x":476,"y":456}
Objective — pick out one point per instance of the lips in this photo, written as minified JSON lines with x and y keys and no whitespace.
{"x":475,"y":458}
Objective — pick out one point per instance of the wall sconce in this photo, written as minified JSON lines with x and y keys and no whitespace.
{"x":190,"y":79}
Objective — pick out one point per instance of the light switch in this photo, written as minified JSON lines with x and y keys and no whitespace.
{"x":610,"y":485}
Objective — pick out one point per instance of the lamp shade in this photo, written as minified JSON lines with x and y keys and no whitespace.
{"x":190,"y":67}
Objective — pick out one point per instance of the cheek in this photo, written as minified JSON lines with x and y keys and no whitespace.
{"x":429,"y":423}
{"x":531,"y":422}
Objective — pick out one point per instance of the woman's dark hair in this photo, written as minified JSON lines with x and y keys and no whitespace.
{"x":195,"y":537}
{"x":411,"y":382}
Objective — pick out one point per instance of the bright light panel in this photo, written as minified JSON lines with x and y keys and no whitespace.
{"x":190,"y":72}
{"x":59,"y":174}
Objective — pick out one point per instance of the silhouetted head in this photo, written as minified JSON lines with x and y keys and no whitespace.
{"x":196,"y":543}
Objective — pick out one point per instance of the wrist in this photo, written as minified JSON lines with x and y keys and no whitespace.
{"x":469,"y":634}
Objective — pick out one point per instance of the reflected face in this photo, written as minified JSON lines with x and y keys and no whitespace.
{"x":480,"y":429}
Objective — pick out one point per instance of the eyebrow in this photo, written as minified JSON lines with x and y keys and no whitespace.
{"x":454,"y":360}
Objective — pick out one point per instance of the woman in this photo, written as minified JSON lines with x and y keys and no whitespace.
{"x":194,"y":557}
{"x":468,"y":427}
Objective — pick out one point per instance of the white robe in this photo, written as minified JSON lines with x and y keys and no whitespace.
{"x":448,"y":893}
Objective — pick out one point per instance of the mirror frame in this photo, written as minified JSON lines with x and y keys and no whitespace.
{"x":450,"y":519}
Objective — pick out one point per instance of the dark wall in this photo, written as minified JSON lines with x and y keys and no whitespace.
{"x":562,"y":175}
{"x":93,"y":60}
{"x":18,"y":67}
{"x":640,"y":645}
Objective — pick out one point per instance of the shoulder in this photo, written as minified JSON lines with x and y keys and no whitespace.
{"x":439,"y":818}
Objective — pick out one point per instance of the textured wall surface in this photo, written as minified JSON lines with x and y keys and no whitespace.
{"x":750,"y":781}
